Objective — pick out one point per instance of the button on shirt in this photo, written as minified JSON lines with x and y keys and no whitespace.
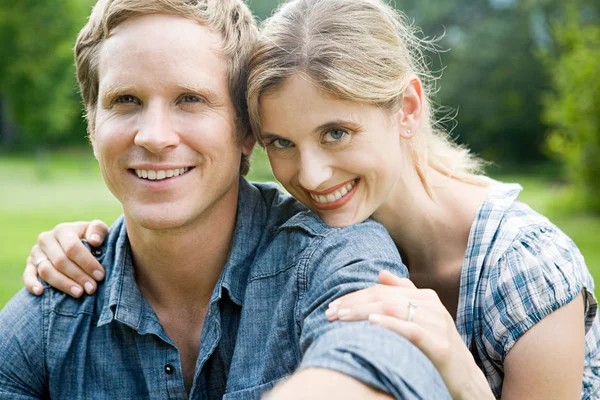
{"x":266,"y":319}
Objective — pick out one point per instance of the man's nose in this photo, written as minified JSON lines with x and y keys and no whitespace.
{"x":156,"y":132}
{"x":315,"y":169}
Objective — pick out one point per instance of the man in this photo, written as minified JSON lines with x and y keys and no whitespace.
{"x":215,"y":288}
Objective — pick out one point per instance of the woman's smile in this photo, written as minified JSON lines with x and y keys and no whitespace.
{"x":334,"y":197}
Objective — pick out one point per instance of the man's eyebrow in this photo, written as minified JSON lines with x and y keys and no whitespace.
{"x":112,"y":91}
{"x":204,"y":91}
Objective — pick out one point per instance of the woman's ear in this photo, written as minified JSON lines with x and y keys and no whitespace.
{"x":412,"y":108}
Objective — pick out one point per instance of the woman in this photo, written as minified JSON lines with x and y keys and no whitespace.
{"x":339,"y":96}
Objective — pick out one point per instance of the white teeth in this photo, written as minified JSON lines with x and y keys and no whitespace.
{"x":159,"y":175}
{"x":331,"y":197}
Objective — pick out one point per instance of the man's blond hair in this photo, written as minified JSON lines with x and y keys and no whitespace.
{"x":232,"y":19}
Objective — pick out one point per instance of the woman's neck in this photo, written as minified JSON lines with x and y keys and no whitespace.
{"x":431,"y":233}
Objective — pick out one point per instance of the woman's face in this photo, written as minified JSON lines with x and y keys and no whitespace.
{"x":340,"y":158}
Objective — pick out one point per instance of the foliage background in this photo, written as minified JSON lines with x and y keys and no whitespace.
{"x":521,"y":78}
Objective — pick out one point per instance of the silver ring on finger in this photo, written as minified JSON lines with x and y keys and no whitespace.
{"x":412,"y":310}
{"x":41,"y":260}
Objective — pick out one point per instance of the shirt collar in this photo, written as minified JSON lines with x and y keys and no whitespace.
{"x":123,"y":300}
{"x":250,"y":223}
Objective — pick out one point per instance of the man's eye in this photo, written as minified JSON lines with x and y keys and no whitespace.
{"x":127,"y":99}
{"x":190,"y":98}
{"x":281,"y":143}
{"x":334,"y":135}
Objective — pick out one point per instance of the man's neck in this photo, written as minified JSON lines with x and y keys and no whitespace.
{"x":179,"y":268}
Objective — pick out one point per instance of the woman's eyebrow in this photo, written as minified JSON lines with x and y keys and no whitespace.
{"x":323,"y":127}
{"x":336,"y":124}
{"x":269,"y":136}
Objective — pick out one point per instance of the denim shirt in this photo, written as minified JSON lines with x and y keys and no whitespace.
{"x":266,"y":319}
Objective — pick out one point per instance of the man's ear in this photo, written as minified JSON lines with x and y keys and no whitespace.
{"x":92,"y":139}
{"x":412,"y":108}
{"x":248,"y":145}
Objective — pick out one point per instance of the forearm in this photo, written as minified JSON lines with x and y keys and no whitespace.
{"x":318,"y":383}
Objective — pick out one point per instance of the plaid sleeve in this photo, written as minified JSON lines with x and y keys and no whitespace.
{"x":541,"y":272}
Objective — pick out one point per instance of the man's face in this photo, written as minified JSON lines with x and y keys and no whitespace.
{"x":164,"y":131}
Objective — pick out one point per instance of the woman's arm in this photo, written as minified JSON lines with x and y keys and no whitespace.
{"x":61,"y":259}
{"x":547,"y":361}
{"x":428,"y":326}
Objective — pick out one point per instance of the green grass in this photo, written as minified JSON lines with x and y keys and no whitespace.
{"x":39,"y":192}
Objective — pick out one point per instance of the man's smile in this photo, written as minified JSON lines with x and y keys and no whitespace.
{"x":160,"y":174}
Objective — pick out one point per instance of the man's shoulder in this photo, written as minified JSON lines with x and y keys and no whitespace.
{"x":27,"y":310}
{"x":23,"y":345}
{"x":278,"y":205}
{"x":305,"y":239}
{"x":23,"y":309}
{"x":285,"y":213}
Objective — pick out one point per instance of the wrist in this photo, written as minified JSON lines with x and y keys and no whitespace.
{"x":475,"y":387}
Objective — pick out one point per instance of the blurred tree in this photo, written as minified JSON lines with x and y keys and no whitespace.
{"x":37,"y":76}
{"x":573,"y":106}
{"x":262,"y":8}
{"x":491,"y":75}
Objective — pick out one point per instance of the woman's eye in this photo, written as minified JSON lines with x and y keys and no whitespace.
{"x":127,"y":99}
{"x":334,"y":135}
{"x":282,"y":143}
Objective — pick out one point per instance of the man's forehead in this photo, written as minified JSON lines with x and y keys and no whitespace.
{"x":183,"y":51}
{"x":159,"y":32}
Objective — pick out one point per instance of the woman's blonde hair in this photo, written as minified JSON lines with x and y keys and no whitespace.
{"x":357,"y":50}
{"x":232,"y":19}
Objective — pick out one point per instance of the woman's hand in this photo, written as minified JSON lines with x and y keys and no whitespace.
{"x":419,"y":316}
{"x":63,"y":261}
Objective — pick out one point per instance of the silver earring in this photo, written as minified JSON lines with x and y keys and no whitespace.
{"x":408,"y":132}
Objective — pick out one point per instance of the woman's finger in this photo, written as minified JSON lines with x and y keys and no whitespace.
{"x":412,"y":331}
{"x":387,"y":278}
{"x":87,"y":268}
{"x":355,"y":313}
{"x":30,"y":278}
{"x":70,"y":257}
{"x":46,"y":270}
{"x":96,"y":232}
{"x":374,"y":294}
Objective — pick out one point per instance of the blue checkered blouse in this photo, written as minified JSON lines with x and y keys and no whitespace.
{"x":518,"y":268}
